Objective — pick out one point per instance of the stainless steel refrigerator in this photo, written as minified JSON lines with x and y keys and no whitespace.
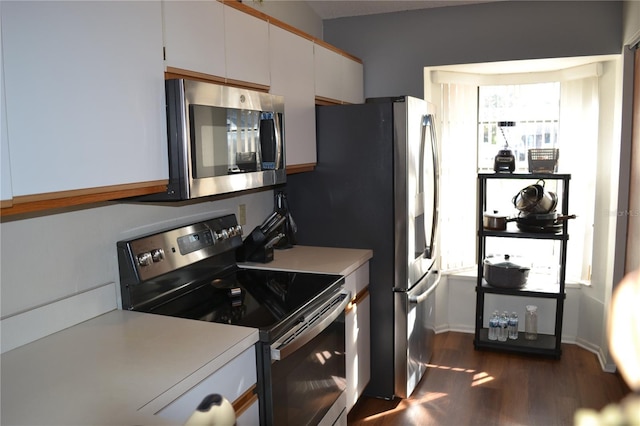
{"x":375,"y":187}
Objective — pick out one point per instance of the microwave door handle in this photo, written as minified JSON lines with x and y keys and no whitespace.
{"x":279,"y":352}
{"x":279,"y":148}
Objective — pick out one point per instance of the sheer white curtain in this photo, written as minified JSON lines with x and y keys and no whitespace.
{"x":456,"y":95}
{"x":578,"y":137}
{"x":458,"y":123}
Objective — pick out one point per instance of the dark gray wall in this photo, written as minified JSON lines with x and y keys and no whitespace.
{"x":395,"y":47}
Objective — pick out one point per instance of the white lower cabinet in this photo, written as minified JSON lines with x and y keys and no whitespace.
{"x":231,"y":381}
{"x":358,"y":344}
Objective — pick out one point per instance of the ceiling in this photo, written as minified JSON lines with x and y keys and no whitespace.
{"x":329,"y":9}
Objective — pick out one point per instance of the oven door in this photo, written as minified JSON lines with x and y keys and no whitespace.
{"x":305,"y":370}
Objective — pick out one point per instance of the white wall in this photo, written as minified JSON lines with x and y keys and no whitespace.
{"x":55,"y":256}
{"x":631,"y":21}
{"x":396,"y":47}
{"x":456,"y":298}
{"x":295,"y":13}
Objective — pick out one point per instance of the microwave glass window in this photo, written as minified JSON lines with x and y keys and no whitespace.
{"x":223,"y":140}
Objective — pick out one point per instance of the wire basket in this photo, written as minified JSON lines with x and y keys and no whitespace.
{"x":543,"y":160}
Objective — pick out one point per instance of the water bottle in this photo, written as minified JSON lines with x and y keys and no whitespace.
{"x":513,"y":326}
{"x":503,"y":333}
{"x":531,"y":323}
{"x":493,"y":326}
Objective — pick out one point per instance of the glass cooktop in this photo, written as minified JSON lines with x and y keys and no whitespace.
{"x":268,"y":300}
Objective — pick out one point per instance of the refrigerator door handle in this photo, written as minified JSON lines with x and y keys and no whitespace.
{"x":428,"y":121}
{"x":416,"y":299}
{"x":436,"y":185}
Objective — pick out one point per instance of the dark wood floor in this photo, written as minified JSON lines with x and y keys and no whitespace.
{"x":463,"y":386}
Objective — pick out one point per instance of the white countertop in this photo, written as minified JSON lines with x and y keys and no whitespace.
{"x":122,"y":367}
{"x":116,"y":369}
{"x":327,"y":260}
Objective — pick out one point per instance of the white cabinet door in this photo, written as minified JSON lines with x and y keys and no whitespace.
{"x":84,"y":94}
{"x":230,"y":382}
{"x":194,"y":35}
{"x":337,"y":77}
{"x":251,"y":416}
{"x":327,"y":72}
{"x":246,"y":47}
{"x":6,"y":193}
{"x":358,"y":338}
{"x":291,"y":58}
{"x":353,"y":81}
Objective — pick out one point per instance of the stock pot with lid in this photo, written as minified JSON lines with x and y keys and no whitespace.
{"x":535,"y":199}
{"x":505,"y":271}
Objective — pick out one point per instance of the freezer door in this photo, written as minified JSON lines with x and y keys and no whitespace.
{"x":414,"y":333}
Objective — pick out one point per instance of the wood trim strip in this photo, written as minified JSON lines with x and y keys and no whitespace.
{"x":322,"y":101}
{"x":300,"y":168}
{"x":247,"y":85}
{"x":244,"y":401}
{"x":357,"y":299}
{"x":62,"y":199}
{"x":337,"y":50}
{"x":172,"y":72}
{"x":632,"y":260}
{"x":278,"y":23}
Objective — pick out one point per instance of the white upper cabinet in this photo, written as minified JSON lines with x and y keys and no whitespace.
{"x":84,"y":94}
{"x":246,"y":47}
{"x":291,"y":59}
{"x":337,"y":76}
{"x":353,"y":81}
{"x":194,"y":36}
{"x":5,"y":166}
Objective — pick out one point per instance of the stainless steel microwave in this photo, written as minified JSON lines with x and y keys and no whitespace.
{"x":221,"y":139}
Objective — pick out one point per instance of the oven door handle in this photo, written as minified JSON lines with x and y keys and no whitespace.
{"x":287,"y":344}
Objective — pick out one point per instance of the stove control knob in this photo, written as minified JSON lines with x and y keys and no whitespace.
{"x":223,"y":235}
{"x":238,"y":229}
{"x":157,"y":255}
{"x":145,"y":259}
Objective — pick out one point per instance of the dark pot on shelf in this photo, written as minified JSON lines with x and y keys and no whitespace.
{"x":503,"y":271}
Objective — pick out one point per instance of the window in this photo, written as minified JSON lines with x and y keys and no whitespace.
{"x":549,"y":110}
{"x":534,"y":111}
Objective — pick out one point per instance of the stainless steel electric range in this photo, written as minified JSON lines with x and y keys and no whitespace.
{"x":191,"y":272}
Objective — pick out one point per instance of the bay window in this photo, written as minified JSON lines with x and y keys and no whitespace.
{"x":555,"y":108}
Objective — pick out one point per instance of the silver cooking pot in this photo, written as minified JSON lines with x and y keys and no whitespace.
{"x":535,"y":199}
{"x":505,"y":271}
{"x":495,"y":221}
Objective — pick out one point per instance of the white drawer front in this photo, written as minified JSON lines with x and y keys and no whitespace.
{"x":231,"y":381}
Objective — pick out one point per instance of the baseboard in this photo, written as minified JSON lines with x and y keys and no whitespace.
{"x":570,"y":340}
{"x":599,"y":353}
{"x":455,"y":328}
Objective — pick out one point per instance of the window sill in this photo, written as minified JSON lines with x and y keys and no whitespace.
{"x":470,"y":274}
